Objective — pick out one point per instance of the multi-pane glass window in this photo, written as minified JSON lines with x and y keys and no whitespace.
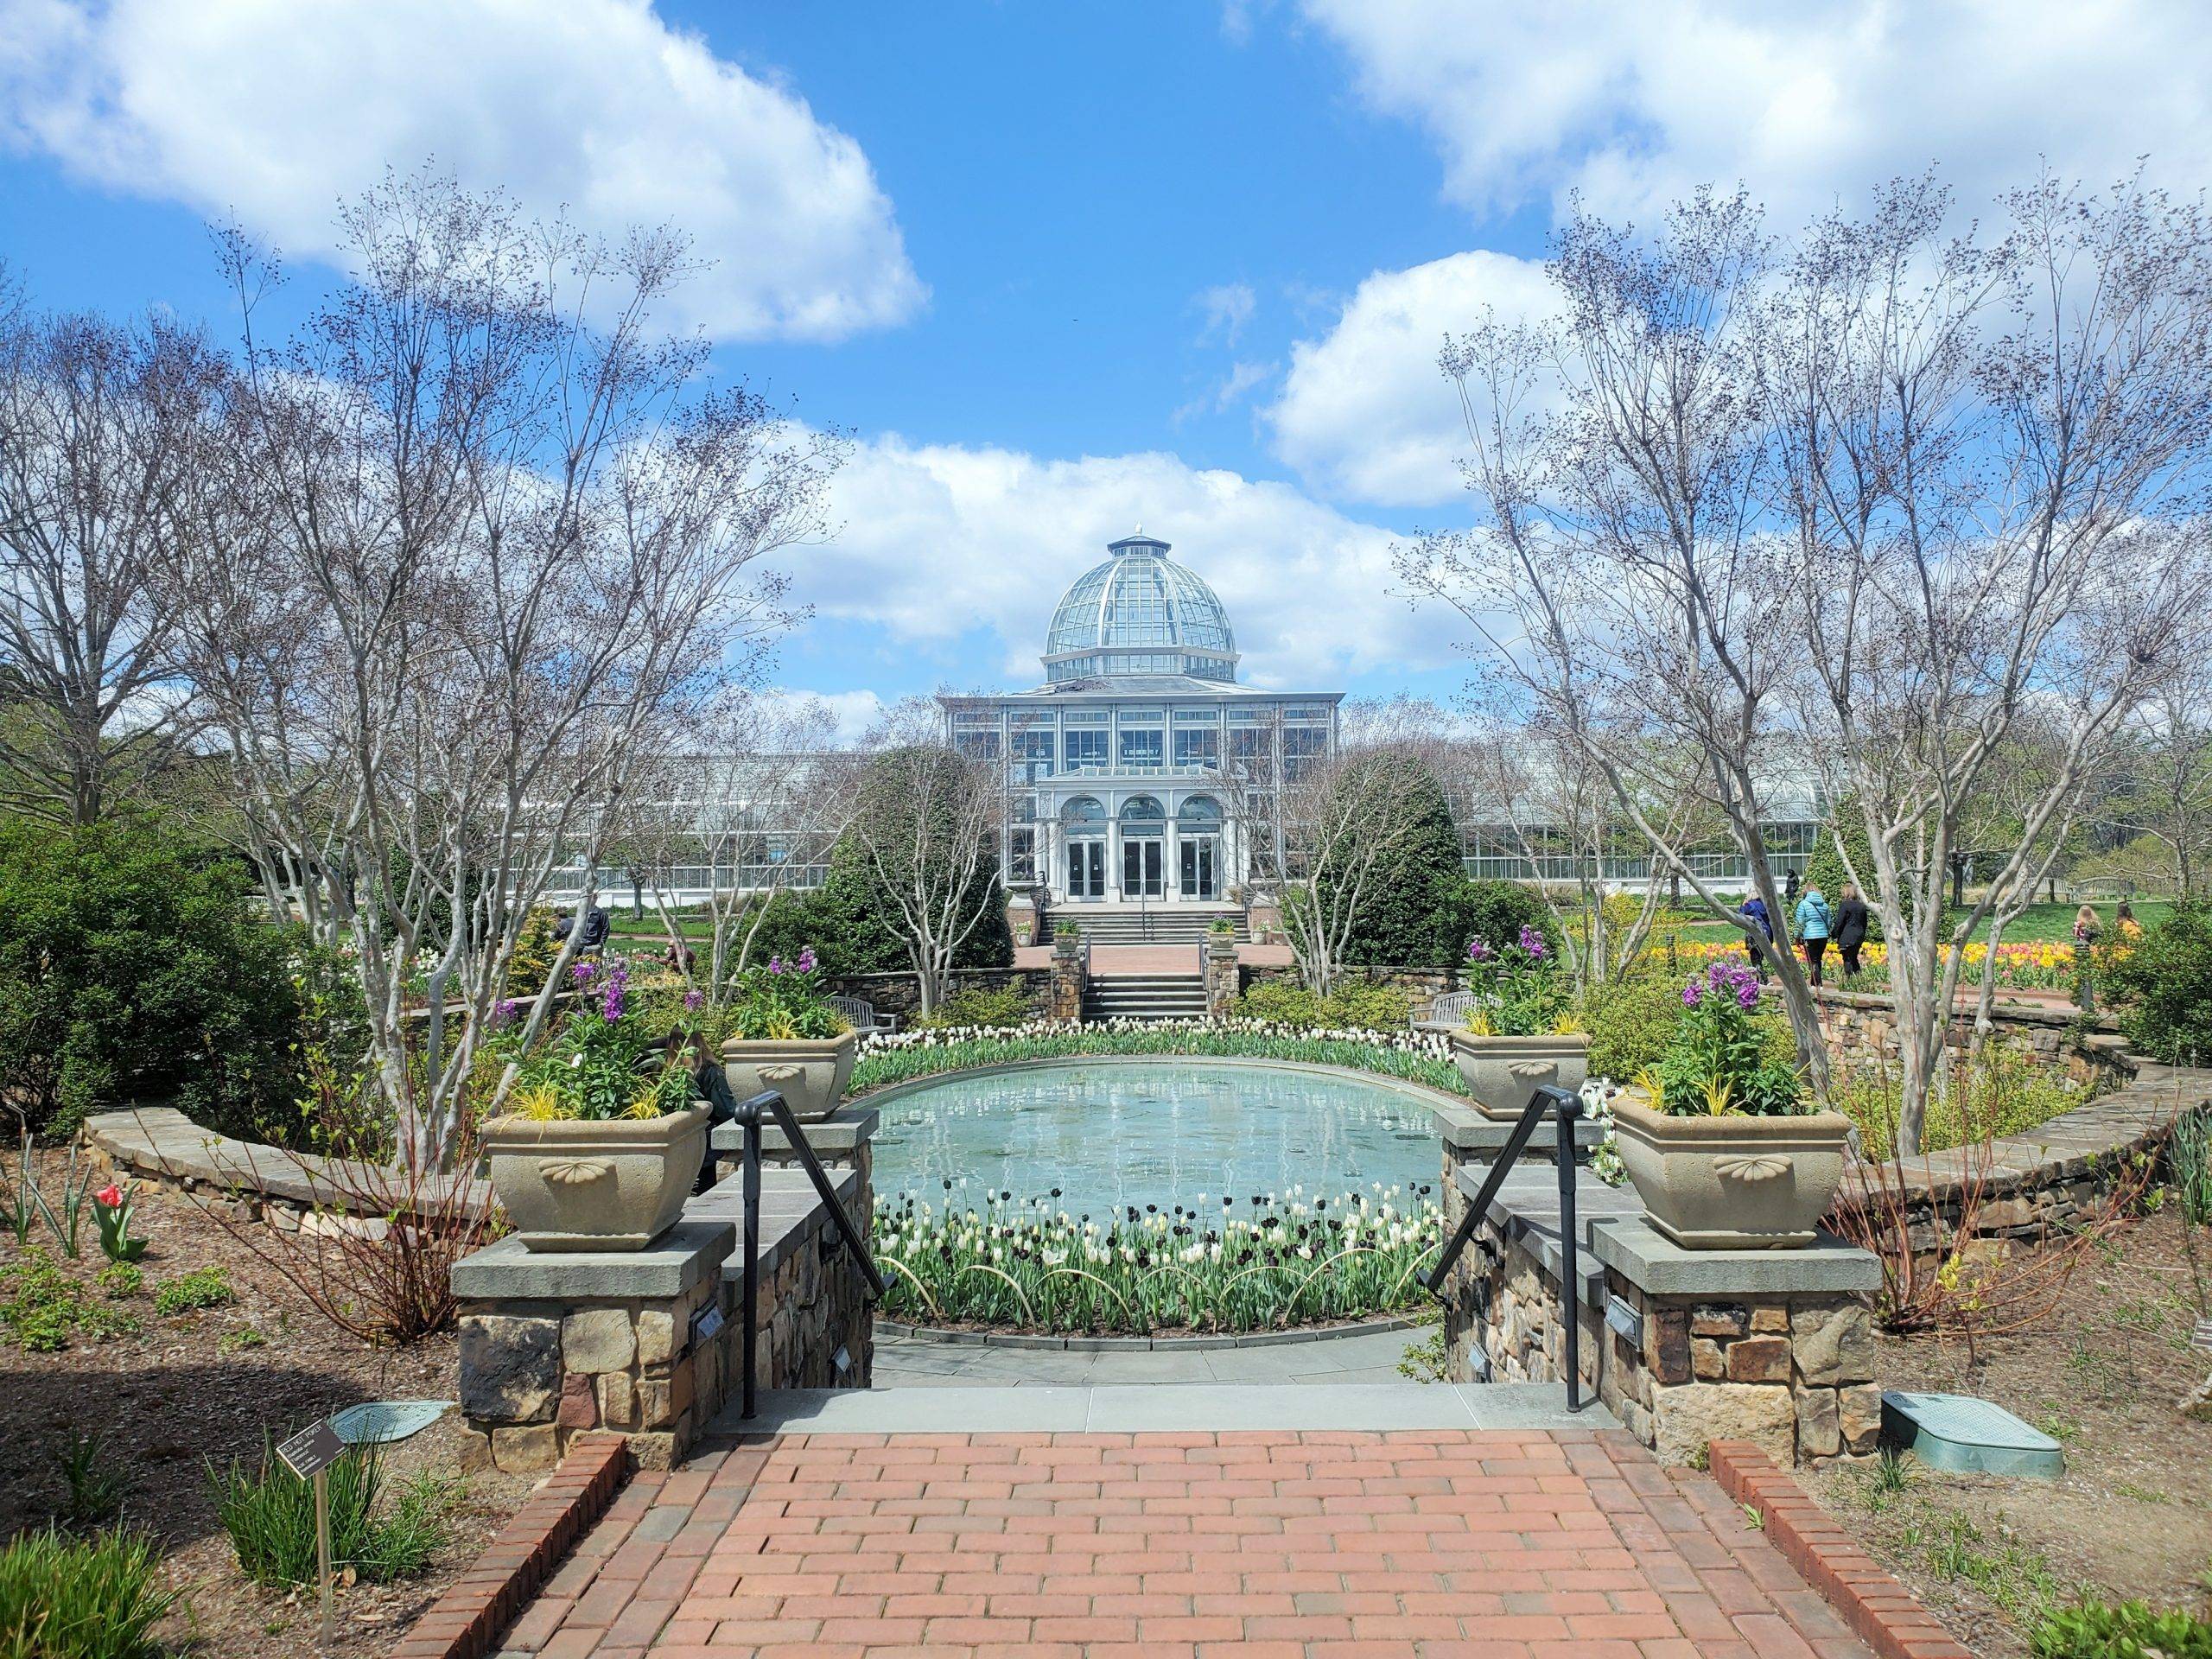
{"x":1033,"y":754}
{"x":1021,"y":853}
{"x":1090,"y":748}
{"x":1197,"y":748}
{"x":1141,"y":748}
{"x":1302,"y":746}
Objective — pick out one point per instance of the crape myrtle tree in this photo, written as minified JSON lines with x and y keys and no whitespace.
{"x":923,"y":831}
{"x":98,"y":424}
{"x":1989,"y":461}
{"x":470,"y":546}
{"x":1634,"y":613}
{"x":1862,"y":511}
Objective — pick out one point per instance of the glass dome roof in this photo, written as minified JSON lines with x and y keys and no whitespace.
{"x":1140,"y":613}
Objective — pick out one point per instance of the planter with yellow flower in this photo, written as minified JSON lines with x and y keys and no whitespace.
{"x":1519,"y":1033}
{"x":1723,"y":1154}
{"x":786,"y":1036}
{"x":600,"y":1139}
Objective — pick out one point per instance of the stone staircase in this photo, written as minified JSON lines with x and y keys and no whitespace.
{"x":1149,"y":923}
{"x":1145,"y":996}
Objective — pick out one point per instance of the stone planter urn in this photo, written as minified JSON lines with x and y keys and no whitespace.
{"x":812,"y":1072}
{"x":1733,"y":1183}
{"x":1500,"y":1071}
{"x":616,"y":1185}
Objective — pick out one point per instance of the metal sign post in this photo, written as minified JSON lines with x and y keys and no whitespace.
{"x":309,"y":1455}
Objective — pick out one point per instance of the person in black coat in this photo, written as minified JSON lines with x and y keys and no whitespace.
{"x":1850,"y":929}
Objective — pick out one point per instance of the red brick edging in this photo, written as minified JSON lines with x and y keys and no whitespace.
{"x":1885,"y":1614}
{"x":465,"y":1622}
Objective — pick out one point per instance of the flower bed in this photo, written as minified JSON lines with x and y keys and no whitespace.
{"x":1258,"y":1262}
{"x":900,"y":1056}
{"x":2026,"y":964}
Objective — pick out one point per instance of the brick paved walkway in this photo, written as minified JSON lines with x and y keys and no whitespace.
{"x":1447,"y":1544}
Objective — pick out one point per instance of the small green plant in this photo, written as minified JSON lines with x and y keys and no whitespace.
{"x":1428,"y":1360}
{"x":239,"y":1341}
{"x":68,"y":1226}
{"x":2189,"y":1157}
{"x":44,"y":1308}
{"x":2127,"y":1630}
{"x":120,"y":1280}
{"x":1892,"y":1476}
{"x":96,"y":1597}
{"x":93,"y":1484}
{"x":201,"y":1287}
{"x":270,"y":1515}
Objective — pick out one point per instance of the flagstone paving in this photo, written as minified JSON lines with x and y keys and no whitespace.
{"x":1411,"y":1544}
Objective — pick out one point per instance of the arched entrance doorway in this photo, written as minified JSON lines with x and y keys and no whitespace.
{"x":1198,"y":848}
{"x":1083,"y":824}
{"x":1144,"y":847}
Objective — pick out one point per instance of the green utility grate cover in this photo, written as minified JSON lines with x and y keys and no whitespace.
{"x":387,"y":1420}
{"x":1958,"y":1432}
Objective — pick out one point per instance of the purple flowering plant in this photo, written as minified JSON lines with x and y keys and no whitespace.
{"x":1521,"y":990}
{"x":784,"y":1000}
{"x":1723,"y":1057}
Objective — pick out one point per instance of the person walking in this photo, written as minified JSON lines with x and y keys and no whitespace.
{"x":1789,"y":891}
{"x":2088,"y":929}
{"x":1754,"y":911}
{"x":1850,"y":930}
{"x":1813,"y":922}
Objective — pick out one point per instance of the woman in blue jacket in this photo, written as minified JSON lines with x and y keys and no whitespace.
{"x":1813,"y":923}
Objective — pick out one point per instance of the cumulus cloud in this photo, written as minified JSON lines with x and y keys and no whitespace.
{"x":1364,"y":412}
{"x":939,"y":540}
{"x":1634,"y":104}
{"x":274,"y":113}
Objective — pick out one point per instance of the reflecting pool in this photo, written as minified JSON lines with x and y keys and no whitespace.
{"x":1109,"y":1135}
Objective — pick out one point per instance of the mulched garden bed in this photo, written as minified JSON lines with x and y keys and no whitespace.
{"x":188,"y":1387}
{"x":2104,"y":1375}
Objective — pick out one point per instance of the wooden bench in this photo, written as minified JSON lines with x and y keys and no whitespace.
{"x":860,"y":1014}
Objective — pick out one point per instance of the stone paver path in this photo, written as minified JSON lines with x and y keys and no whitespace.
{"x":1439,"y":1544}
{"x":1355,"y":1357}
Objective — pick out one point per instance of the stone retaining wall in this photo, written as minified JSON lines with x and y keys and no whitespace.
{"x":555,"y":1343}
{"x":1775,"y":1347}
{"x":1861,"y":1033}
{"x":898,"y":993}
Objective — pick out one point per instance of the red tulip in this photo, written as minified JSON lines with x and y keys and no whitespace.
{"x":111,"y":1195}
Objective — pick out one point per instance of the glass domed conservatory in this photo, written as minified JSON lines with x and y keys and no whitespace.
{"x":1141,"y":770}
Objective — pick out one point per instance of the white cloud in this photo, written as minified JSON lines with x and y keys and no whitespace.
{"x":1635,"y":104}
{"x":1365,"y":410}
{"x":939,"y":540}
{"x":1227,"y":307}
{"x":275,"y":112}
{"x":851,"y":713}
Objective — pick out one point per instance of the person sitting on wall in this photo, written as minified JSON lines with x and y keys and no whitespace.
{"x":690,"y":1050}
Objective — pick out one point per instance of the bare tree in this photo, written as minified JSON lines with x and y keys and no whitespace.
{"x":1636,"y":614}
{"x":1352,"y":821}
{"x":473,"y":543}
{"x":1989,"y":461}
{"x":97,"y":423}
{"x":760,"y":804}
{"x":1843,"y":524}
{"x":926,"y":820}
{"x":2165,"y":792}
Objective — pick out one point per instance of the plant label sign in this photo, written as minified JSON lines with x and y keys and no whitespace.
{"x":2202,"y":1338}
{"x":313,"y":1450}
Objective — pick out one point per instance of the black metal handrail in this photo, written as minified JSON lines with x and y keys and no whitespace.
{"x":1547,"y":1097}
{"x":749,"y":1112}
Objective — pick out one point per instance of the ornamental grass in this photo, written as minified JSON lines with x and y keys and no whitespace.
{"x":1255,"y":1262}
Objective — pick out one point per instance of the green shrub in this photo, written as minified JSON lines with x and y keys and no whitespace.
{"x":2164,"y":986}
{"x":996,"y":1009}
{"x":2188,"y":1160}
{"x":1631,"y":1024}
{"x":201,"y":1287}
{"x":131,"y":969}
{"x":1359,"y":1006}
{"x":270,"y":1515}
{"x":119,"y":1280}
{"x":97,"y":1598}
{"x":2005,"y":1092}
{"x":44,"y":1307}
{"x":2127,"y":1630}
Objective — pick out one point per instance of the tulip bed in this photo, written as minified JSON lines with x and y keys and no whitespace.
{"x":1257,"y":1263}
{"x":2030,"y":964}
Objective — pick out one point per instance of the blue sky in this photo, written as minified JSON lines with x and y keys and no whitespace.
{"x":1062,"y":267}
